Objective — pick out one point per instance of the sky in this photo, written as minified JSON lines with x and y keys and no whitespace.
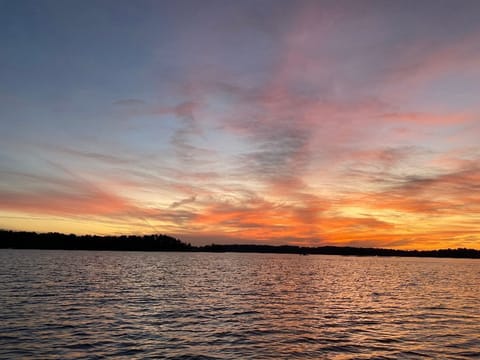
{"x":270,"y":122}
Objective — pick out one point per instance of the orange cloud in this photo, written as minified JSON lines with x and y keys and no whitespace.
{"x":85,"y":202}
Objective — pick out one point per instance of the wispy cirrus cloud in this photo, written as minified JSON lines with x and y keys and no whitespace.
{"x":64,"y":197}
{"x":186,"y":201}
{"x":423,"y":60}
{"x":129,"y":102}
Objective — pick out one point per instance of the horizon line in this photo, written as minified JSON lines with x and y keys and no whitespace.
{"x":273,"y":246}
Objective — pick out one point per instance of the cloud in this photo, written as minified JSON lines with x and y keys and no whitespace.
{"x":445,"y":194}
{"x":188,"y":130}
{"x":78,"y":200}
{"x":427,"y":118}
{"x":62,"y":192}
{"x":261,"y":219}
{"x":129,"y":102}
{"x":281,"y":154}
{"x":177,"y":204}
{"x":425,"y":59}
{"x":89,"y":155}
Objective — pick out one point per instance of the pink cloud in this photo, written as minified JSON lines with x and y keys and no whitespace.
{"x":79,"y":202}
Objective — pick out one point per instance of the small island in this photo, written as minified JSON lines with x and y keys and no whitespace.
{"x":160,"y":242}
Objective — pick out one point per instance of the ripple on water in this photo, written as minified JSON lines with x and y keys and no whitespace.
{"x":58,"y":304}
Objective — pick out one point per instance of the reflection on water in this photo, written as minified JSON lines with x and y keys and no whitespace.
{"x":58,"y":304}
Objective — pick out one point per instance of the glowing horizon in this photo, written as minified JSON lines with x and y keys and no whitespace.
{"x":279,"y":122}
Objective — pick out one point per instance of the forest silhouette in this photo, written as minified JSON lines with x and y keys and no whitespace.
{"x":160,"y":242}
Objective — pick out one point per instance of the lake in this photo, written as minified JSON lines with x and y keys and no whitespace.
{"x":135,"y":305}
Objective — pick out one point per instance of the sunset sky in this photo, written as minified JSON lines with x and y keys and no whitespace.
{"x":301,"y":122}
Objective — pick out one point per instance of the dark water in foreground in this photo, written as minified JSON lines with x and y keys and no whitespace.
{"x":59,"y":304}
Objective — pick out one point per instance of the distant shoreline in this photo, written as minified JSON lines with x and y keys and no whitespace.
{"x":57,"y":241}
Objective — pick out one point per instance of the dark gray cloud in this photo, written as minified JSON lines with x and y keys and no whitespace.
{"x":281,"y":154}
{"x":186,"y":201}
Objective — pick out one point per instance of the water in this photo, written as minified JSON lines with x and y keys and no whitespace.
{"x":87,"y":304}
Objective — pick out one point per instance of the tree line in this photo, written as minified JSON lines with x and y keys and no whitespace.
{"x":161,"y":242}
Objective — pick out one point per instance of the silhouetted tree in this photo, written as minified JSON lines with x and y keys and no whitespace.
{"x":161,"y":242}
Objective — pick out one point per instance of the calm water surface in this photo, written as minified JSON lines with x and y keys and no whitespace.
{"x":87,"y":304}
